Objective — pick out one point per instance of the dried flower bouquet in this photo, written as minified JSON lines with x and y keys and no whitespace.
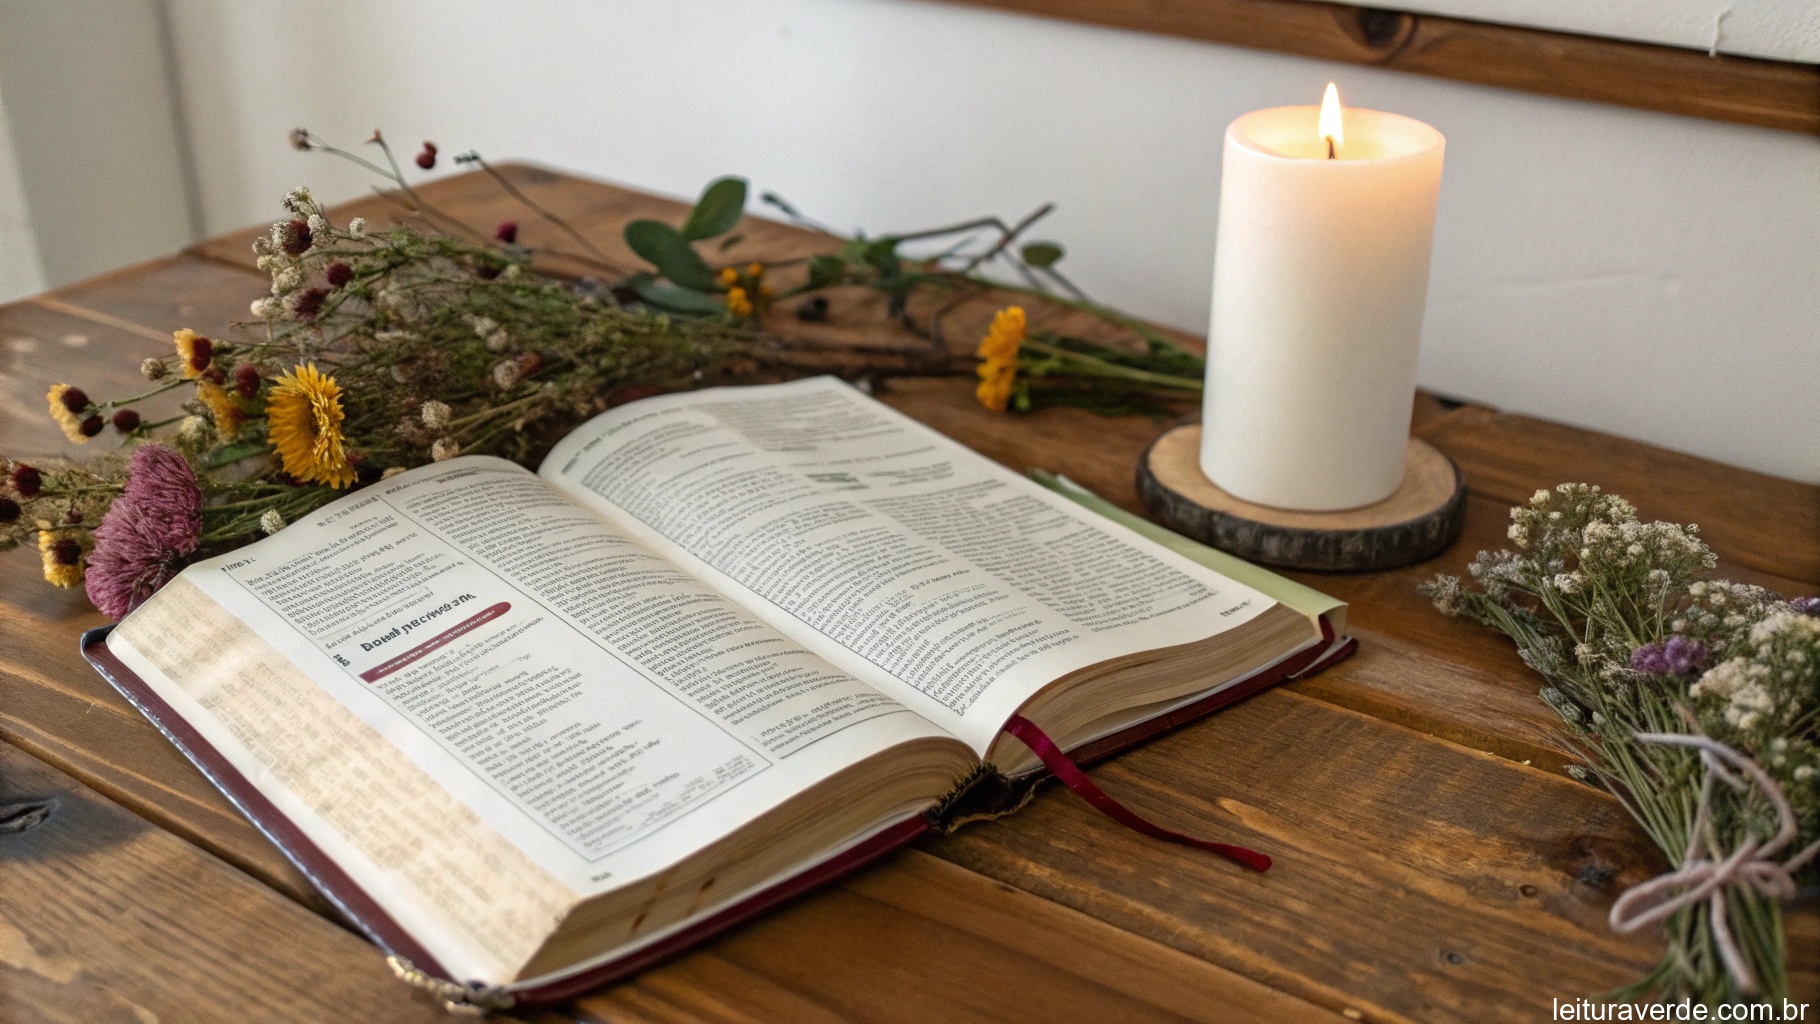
{"x":1695,"y":702}
{"x":379,"y":349}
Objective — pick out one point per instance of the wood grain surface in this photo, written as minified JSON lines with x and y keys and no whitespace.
{"x":1773,"y":94}
{"x":104,"y":917}
{"x":1433,"y":862}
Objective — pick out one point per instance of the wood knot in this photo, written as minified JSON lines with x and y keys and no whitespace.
{"x":1378,"y":29}
{"x":17,"y":818}
{"x":1590,"y":865}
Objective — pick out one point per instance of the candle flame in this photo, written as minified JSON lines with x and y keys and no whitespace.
{"x":1331,"y":132}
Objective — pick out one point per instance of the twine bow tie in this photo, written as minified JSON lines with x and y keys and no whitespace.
{"x":1706,"y":871}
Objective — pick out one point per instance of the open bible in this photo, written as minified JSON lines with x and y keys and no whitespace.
{"x":532,"y":731}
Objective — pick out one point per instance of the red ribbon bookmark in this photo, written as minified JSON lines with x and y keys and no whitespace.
{"x":1077,"y":780}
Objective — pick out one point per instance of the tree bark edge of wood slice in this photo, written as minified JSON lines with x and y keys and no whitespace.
{"x":1421,"y":519}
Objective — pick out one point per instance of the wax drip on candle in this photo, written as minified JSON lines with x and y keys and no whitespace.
{"x":1331,"y":129}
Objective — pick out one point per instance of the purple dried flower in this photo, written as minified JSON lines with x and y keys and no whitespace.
{"x":147,"y":531}
{"x":1676,"y":656}
{"x":1648,"y":659}
{"x":1806,"y":605}
{"x":1684,"y":656}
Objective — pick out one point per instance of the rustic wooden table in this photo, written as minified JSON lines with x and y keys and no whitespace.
{"x":1433,"y":862}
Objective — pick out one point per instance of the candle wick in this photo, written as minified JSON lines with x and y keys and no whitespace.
{"x":1330,"y":154}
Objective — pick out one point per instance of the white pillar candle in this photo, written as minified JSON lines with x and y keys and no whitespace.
{"x":1319,"y":280}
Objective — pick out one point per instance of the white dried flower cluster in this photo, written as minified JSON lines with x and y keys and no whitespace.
{"x":1626,"y":545}
{"x":1739,"y":683}
{"x":489,"y":331}
{"x":271,"y":522}
{"x":299,"y":201}
{"x":445,"y":449}
{"x":153,"y":369}
{"x":1718,"y":613}
{"x":195,"y":434}
{"x":435,"y":414}
{"x":1768,"y":695}
{"x":267,"y":308}
{"x":506,"y":375}
{"x":1448,"y":595}
{"x":1498,"y":571}
{"x":357,"y":228}
{"x":1560,"y":514}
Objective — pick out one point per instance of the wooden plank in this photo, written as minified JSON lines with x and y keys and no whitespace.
{"x":1419,"y":880}
{"x":1773,"y":94}
{"x":921,"y":939}
{"x":1765,"y":523}
{"x":105,"y":917}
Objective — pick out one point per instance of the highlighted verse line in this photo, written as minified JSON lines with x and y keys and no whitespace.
{"x":447,"y":636}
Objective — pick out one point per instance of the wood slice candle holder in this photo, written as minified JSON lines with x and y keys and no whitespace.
{"x":1419,"y":520}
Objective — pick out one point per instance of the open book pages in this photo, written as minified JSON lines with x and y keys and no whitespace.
{"x":546,"y":719}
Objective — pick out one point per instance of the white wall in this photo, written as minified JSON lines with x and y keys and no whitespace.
{"x":1653,"y":276}
{"x":21,"y":269}
{"x":96,"y":177}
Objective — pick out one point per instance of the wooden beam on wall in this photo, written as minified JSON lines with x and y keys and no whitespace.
{"x":1771,"y":94}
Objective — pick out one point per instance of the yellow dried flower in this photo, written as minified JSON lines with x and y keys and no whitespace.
{"x":729,"y":276}
{"x":67,"y":406}
{"x":738,"y":303}
{"x":224,"y":408}
{"x":194,"y":352}
{"x":755,"y":270}
{"x":304,"y":415}
{"x":62,"y":554}
{"x":998,"y":355}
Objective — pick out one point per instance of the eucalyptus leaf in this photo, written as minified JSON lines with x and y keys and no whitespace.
{"x":778,"y":201}
{"x":1043,"y":254}
{"x":665,"y":295}
{"x":826,"y":270}
{"x":883,"y":255}
{"x":667,"y":250}
{"x":234,"y":453}
{"x":718,"y":209}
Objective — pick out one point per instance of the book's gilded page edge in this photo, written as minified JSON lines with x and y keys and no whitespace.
{"x":1304,"y":599}
{"x":406,"y":861}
